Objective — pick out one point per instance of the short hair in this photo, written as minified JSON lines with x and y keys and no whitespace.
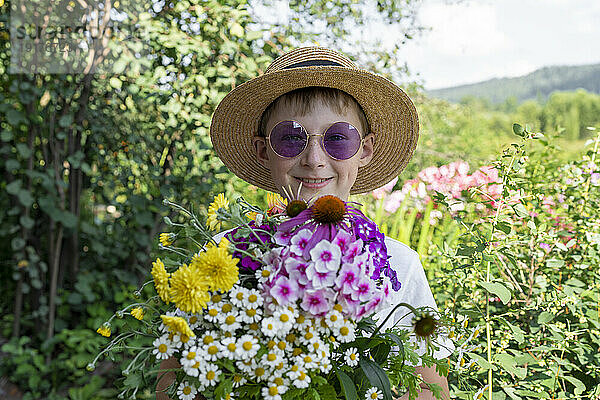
{"x":304,"y":98}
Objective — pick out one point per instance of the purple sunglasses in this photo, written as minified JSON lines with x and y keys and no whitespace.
{"x":341,"y":140}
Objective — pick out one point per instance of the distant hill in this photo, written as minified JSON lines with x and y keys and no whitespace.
{"x":538,"y":84}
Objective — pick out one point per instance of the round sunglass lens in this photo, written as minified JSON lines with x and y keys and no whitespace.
{"x":288,"y":138}
{"x":342,"y":140}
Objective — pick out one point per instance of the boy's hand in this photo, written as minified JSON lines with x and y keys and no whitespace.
{"x":430,"y":375}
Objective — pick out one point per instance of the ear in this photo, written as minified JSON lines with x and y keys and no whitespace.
{"x":367,"y":149}
{"x":260,"y":147}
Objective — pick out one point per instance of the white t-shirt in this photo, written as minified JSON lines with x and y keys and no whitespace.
{"x":414,"y":291}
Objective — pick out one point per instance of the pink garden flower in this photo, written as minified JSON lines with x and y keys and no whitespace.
{"x":317,"y":302}
{"x":285,"y":290}
{"x":326,"y":256}
{"x":299,"y":241}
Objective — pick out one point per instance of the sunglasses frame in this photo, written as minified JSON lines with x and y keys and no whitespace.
{"x":321,"y":142}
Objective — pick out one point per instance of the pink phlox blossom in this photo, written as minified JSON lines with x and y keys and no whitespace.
{"x":285,"y":290}
{"x":319,"y":279}
{"x":343,"y":239}
{"x":317,"y":302}
{"x":353,"y":250}
{"x":348,"y":278}
{"x":296,"y":269}
{"x":350,"y":306}
{"x":282,"y":237}
{"x":326,"y":256}
{"x":364,"y":289}
{"x":299,"y":241}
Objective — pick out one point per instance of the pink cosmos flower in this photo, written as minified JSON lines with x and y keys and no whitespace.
{"x":284,"y":291}
{"x":326,"y":256}
{"x":317,"y":302}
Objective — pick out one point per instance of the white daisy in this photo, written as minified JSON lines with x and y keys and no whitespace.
{"x":273,"y":392}
{"x":250,"y":314}
{"x":306,"y":361}
{"x":186,"y":391}
{"x":163,"y":347}
{"x":271,"y":359}
{"x":194,"y":320}
{"x":286,"y":319}
{"x":309,"y":336}
{"x":259,"y":372}
{"x":238,"y":380}
{"x":374,"y":394}
{"x":210,"y":375}
{"x":237,"y":295}
{"x":229,"y":348}
{"x":231,"y":321}
{"x":189,"y":357}
{"x":247,"y":347}
{"x":334,"y":319}
{"x":253,"y":300}
{"x":345,"y":332}
{"x":195,"y":369}
{"x":351,"y":356}
{"x":270,"y":326}
{"x":245,"y":366}
{"x":265,"y":273}
{"x":302,"y":380}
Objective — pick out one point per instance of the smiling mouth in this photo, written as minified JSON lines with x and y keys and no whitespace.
{"x":313,"y":181}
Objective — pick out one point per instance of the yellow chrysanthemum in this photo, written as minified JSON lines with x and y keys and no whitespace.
{"x":138,"y":313}
{"x":189,"y":289}
{"x":161,"y":280}
{"x":166,"y":239}
{"x":220,"y":201}
{"x":177,"y":325}
{"x":104,"y":330}
{"x":217,"y":266}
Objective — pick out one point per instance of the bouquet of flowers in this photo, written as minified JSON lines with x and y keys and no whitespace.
{"x":280,"y":307}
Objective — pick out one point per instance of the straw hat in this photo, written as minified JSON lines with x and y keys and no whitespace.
{"x":390,"y":113}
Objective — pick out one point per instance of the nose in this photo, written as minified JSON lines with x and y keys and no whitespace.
{"x":313,"y":156}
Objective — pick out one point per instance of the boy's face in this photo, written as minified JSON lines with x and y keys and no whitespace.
{"x":314,"y":162}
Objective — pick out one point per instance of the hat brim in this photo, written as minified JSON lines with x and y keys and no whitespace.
{"x":391,"y":114}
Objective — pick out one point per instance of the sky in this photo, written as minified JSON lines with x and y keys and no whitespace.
{"x":474,"y":40}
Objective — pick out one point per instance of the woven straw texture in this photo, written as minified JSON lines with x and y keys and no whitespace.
{"x":390,"y":112}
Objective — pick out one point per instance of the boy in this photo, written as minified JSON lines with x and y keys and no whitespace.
{"x":315,"y":119}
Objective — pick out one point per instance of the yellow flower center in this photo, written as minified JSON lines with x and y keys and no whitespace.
{"x":294,"y":368}
{"x":162,"y":348}
{"x":231,"y":347}
{"x":210,"y":375}
{"x":271,"y":357}
{"x":278,"y":381}
{"x":265,"y":273}
{"x":308,"y":335}
{"x":307,"y":359}
{"x":254,"y":326}
{"x":247,"y":346}
{"x":333,"y":318}
{"x":290,"y":337}
{"x":344,"y":330}
{"x":281,"y":345}
{"x":226,"y":307}
{"x":237,"y":378}
{"x":300,"y":319}
{"x":259,"y":371}
{"x":271,"y":344}
{"x":273,"y":391}
{"x":374,"y":395}
{"x":185,"y":338}
{"x":239,"y":296}
{"x":284,"y":318}
{"x":213,"y":312}
{"x":191,"y":355}
{"x":297,"y":351}
{"x":251,"y":312}
{"x":216,"y":298}
{"x":302,"y":376}
{"x":193,"y":319}
{"x":187,"y":390}
{"x":230,"y":320}
{"x":252,"y":298}
{"x":353,"y":356}
{"x":212,"y":350}
{"x":338,"y":307}
{"x":208,"y":339}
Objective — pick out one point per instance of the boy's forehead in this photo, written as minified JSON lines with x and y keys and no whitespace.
{"x":294,"y":106}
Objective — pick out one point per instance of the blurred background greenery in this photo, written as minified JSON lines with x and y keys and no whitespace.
{"x":87,"y":159}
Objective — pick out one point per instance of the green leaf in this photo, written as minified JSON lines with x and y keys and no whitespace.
{"x":376,"y":376}
{"x":26,"y":221}
{"x":483,"y":363}
{"x":17,"y":243}
{"x":23,"y":150}
{"x":66,"y":120}
{"x":347,"y":385}
{"x":6,"y":136}
{"x":518,"y":130}
{"x":506,"y":361}
{"x":520,"y":210}
{"x":555,"y":263}
{"x":327,"y":392}
{"x":518,"y":334}
{"x":579,"y":386}
{"x":13,"y":187}
{"x":25,"y":197}
{"x":14,"y":117}
{"x":380,"y":352}
{"x":498,"y":289}
{"x":545,"y":317}
{"x":253,"y":35}
{"x":504,"y":227}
